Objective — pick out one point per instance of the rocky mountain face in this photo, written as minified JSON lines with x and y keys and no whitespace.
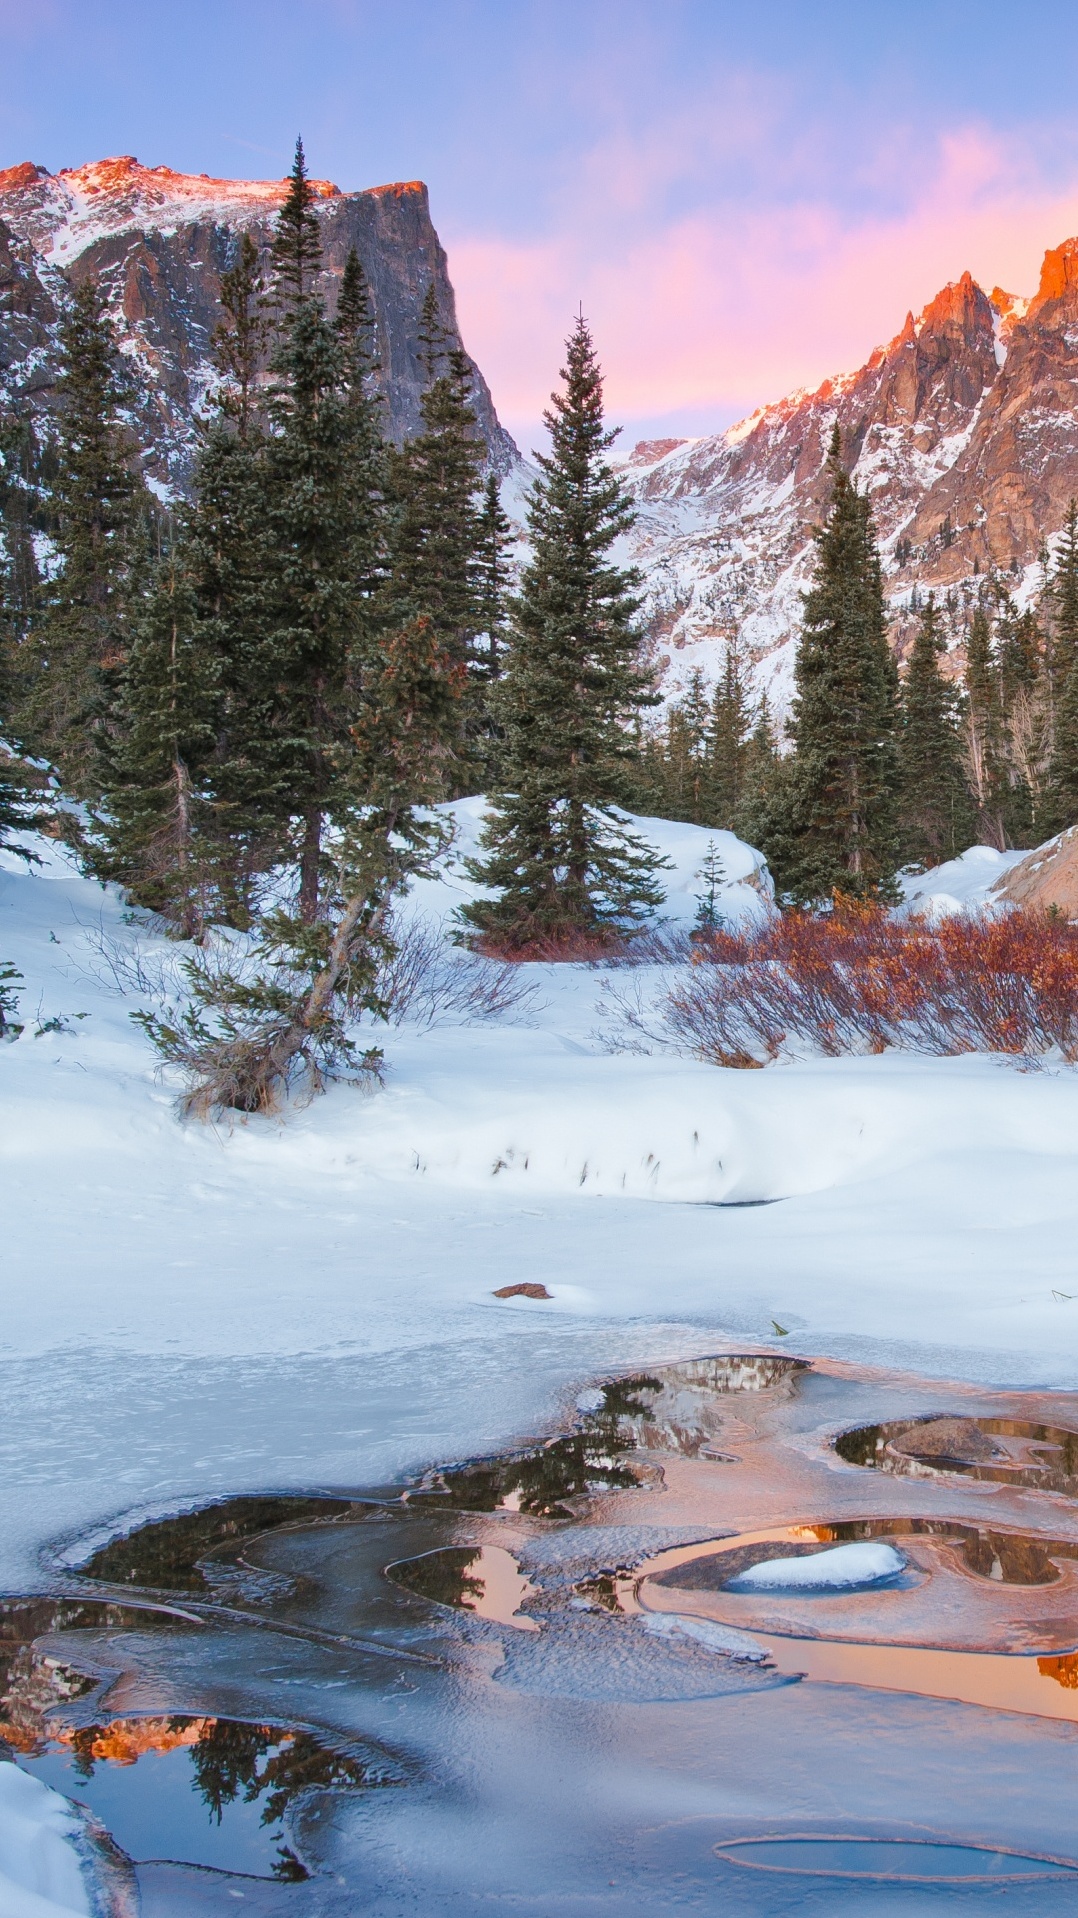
{"x":158,"y":242}
{"x":964,"y":431}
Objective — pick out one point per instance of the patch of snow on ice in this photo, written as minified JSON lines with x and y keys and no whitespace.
{"x":841,"y":1569}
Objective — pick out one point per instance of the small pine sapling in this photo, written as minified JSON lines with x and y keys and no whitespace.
{"x":709,"y":920}
{"x":10,"y":981}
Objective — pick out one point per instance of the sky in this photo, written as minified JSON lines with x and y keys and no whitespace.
{"x":743,"y":198}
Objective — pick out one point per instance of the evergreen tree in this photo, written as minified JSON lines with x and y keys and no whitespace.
{"x":983,"y":734}
{"x":77,"y":642}
{"x":157,"y":838}
{"x":1064,"y":772}
{"x":299,"y":726}
{"x":493,"y":575}
{"x":731,"y":728}
{"x":559,"y":859}
{"x":759,"y":768}
{"x":1026,"y":696}
{"x":833,"y":825}
{"x":434,"y":535}
{"x":935,"y":816}
{"x":1063,"y":603}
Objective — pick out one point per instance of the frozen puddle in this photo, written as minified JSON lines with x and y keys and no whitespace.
{"x":654,"y":1661}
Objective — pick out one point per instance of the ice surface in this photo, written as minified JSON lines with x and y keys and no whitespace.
{"x":40,"y":1873}
{"x":838,"y":1569}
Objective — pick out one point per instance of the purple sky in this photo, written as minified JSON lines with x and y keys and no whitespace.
{"x":745,"y":199}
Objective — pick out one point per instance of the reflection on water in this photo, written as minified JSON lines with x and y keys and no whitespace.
{"x":674,"y":1409}
{"x":1003,"y":1451}
{"x":198,"y":1791}
{"x":167,"y":1555}
{"x":600,"y":1562}
{"x":484,"y":1579}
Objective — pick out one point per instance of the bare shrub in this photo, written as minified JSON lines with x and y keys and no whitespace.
{"x":428,"y":981}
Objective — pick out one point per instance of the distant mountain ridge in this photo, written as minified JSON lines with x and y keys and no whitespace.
{"x":158,"y":242}
{"x":964,"y":431}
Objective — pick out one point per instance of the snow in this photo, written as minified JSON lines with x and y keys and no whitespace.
{"x":308,"y":1304}
{"x":197,"y":1310}
{"x":964,"y":884}
{"x":838,"y":1569}
{"x":40,"y":1875}
{"x":745,"y":898}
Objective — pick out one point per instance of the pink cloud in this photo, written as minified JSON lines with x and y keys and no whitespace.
{"x":727,"y":306}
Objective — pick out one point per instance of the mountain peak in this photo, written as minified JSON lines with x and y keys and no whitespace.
{"x":1059,"y":274}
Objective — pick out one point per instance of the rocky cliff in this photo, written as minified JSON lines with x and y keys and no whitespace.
{"x":964,"y":430}
{"x":158,"y":242}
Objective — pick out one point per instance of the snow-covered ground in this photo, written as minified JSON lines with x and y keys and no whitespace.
{"x":191,"y":1310}
{"x":40,"y":1876}
{"x":199,"y":1309}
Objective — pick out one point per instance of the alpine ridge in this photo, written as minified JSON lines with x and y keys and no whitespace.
{"x":158,"y":241}
{"x":964,"y":431}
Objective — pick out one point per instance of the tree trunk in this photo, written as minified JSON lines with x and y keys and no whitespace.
{"x":308,"y":868}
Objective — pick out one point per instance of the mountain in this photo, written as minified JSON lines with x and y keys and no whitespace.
{"x":158,"y":242}
{"x":964,"y":431}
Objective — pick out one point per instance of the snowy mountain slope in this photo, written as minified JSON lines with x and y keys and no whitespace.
{"x":158,"y":242}
{"x":193,"y":1309}
{"x":962,"y":430}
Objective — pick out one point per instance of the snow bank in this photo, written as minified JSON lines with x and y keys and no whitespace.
{"x":743,"y":899}
{"x":840,"y":1569}
{"x":959,"y":885}
{"x":40,"y":1874}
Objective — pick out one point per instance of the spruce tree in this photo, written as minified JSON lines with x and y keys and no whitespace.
{"x":493,"y":575}
{"x":731,"y":727}
{"x":760,"y":771}
{"x":834,"y":828}
{"x":1063,"y":604}
{"x":78,"y":640}
{"x":559,"y":859}
{"x":434,"y":529}
{"x":156,"y":831}
{"x":983,"y":742}
{"x":935,"y":815}
{"x":300,"y":727}
{"x":1064,"y":772}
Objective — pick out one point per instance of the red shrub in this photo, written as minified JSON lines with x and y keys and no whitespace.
{"x":858,"y":980}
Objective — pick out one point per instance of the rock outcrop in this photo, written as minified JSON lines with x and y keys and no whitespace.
{"x":1046,"y":878}
{"x":158,"y":242}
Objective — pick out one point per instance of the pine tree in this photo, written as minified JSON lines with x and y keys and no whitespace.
{"x":239,"y":342}
{"x":1064,"y":772}
{"x":157,"y":838}
{"x":1026,"y":697}
{"x":983,"y":734}
{"x":558,"y":857}
{"x":935,"y":815}
{"x":1063,"y":602}
{"x":435,"y":525}
{"x":759,"y":774}
{"x":301,"y":726}
{"x":731,"y":727}
{"x":493,"y":576}
{"x":78,"y":642}
{"x":834,"y":826}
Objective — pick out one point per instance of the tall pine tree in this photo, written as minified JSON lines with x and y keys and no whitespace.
{"x":833,"y":826}
{"x":983,"y":741}
{"x":935,"y":815}
{"x":435,"y":530}
{"x":559,"y":860}
{"x":77,"y":642}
